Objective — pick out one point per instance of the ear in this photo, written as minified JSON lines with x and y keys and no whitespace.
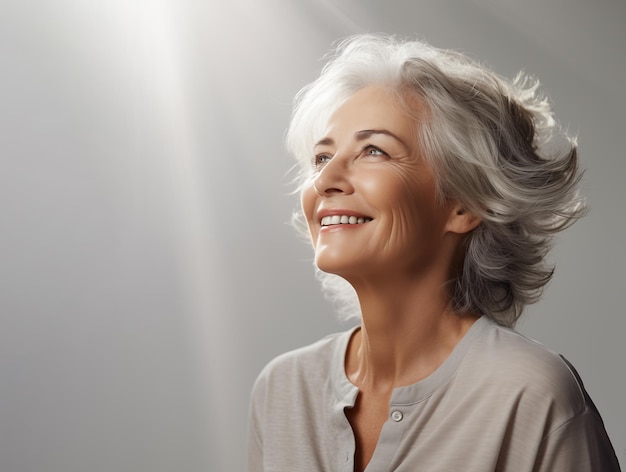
{"x":461,"y":220}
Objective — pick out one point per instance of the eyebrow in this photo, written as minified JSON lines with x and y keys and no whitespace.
{"x":361,"y":136}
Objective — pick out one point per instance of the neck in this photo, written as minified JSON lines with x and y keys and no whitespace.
{"x":406,"y":334}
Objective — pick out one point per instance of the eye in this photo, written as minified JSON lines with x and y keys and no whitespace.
{"x":374,"y":151}
{"x":320,"y":159}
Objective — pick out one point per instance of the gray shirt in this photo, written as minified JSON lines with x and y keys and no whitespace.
{"x":500,"y":402}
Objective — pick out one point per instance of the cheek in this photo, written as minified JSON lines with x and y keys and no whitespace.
{"x":400,"y":190}
{"x":412,"y":203}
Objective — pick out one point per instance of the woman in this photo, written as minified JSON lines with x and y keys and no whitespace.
{"x":433,"y":187}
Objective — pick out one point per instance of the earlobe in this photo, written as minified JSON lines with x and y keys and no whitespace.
{"x":461,"y":220}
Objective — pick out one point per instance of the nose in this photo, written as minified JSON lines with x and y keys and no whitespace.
{"x":334,"y":178}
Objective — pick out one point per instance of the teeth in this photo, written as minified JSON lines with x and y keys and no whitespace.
{"x":344,"y":219}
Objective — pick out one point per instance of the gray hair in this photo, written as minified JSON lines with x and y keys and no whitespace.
{"x":493,"y":145}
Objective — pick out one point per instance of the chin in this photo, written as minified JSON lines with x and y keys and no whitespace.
{"x":340,"y":266}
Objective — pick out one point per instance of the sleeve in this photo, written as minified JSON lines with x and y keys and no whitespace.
{"x":255,"y":451}
{"x":255,"y":441}
{"x":581,"y":444}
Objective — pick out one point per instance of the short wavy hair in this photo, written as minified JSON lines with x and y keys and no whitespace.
{"x":493,"y":145}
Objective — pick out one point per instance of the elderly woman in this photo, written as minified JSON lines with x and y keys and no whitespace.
{"x":433,"y":187}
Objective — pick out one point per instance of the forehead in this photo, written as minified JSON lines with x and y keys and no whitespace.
{"x":376,"y":107}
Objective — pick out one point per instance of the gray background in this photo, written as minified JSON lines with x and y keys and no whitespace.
{"x":147,"y":268}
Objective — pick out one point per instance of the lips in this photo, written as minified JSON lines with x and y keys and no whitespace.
{"x":331,"y":220}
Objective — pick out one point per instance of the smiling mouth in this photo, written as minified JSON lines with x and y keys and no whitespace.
{"x":344,"y":220}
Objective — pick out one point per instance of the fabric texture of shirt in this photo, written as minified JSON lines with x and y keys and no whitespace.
{"x":499,"y":402}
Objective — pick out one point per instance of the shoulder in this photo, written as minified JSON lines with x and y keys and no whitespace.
{"x":537,"y":377}
{"x":536,"y":399}
{"x":308,"y":365}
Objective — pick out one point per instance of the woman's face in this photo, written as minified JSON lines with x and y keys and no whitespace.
{"x":371,"y":204}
